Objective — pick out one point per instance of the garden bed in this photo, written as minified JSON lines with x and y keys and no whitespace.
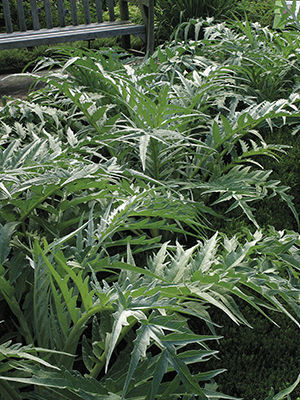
{"x":135,"y":229}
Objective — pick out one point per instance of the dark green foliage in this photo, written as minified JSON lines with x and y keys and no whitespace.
{"x":170,"y":13}
{"x":256,"y":359}
{"x":12,"y":61}
{"x":256,"y":11}
{"x":288,"y":171}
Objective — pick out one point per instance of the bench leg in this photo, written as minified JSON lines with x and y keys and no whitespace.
{"x":124,"y":14}
{"x":148,"y":17}
{"x":150,"y":28}
{"x":125,"y":42}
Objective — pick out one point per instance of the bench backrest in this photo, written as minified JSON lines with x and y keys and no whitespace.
{"x":37,"y":14}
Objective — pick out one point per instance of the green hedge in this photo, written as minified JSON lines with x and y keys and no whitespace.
{"x":256,"y":359}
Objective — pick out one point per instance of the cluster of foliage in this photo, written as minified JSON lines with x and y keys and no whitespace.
{"x":113,"y":179}
{"x":256,"y":11}
{"x":286,"y":14}
{"x":169,"y":13}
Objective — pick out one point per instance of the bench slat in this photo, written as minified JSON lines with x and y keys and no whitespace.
{"x":86,"y":9}
{"x":69,"y":34}
{"x":21,"y":15}
{"x":99,"y":11}
{"x":48,"y":15}
{"x":35,"y":15}
{"x":74,"y":32}
{"x":61,"y":13}
{"x":74,"y":12}
{"x":62,"y":30}
{"x":7,"y":17}
{"x":111,"y":10}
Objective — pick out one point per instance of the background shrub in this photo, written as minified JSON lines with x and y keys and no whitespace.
{"x":169,"y":13}
{"x":256,"y":11}
{"x":256,"y":359}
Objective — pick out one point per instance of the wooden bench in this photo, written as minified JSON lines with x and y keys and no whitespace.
{"x":43,"y":22}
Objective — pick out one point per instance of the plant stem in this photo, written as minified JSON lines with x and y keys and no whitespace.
{"x":100,"y":364}
{"x":76,"y":331}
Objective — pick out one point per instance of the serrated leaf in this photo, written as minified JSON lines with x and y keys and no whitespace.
{"x":185,"y":375}
{"x":141,"y":343}
{"x":9,"y":350}
{"x":143,"y":146}
{"x":120,"y":320}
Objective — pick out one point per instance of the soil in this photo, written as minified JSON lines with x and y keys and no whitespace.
{"x":17,"y":85}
